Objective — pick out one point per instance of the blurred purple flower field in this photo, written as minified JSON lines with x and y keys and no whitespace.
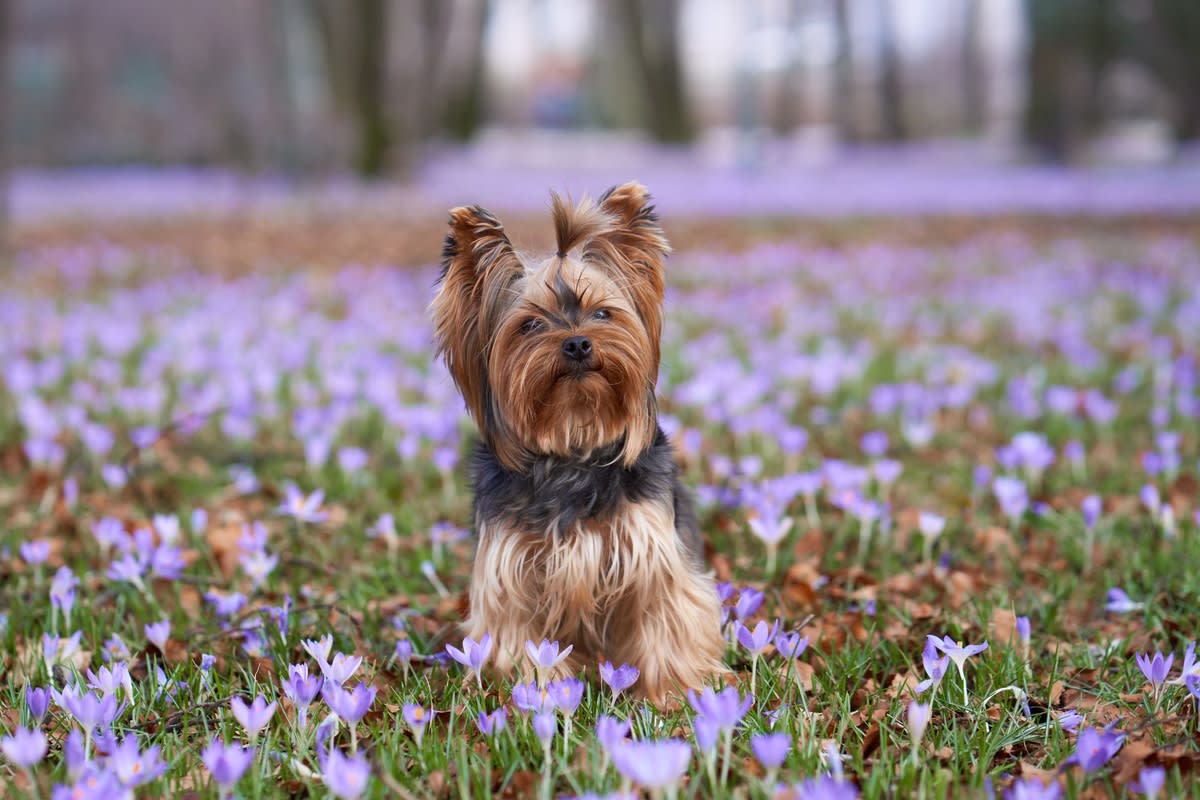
{"x":514,"y":177}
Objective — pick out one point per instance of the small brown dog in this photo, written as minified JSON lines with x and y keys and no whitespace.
{"x":586,"y":535}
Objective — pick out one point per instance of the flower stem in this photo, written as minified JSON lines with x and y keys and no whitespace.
{"x":810,"y":510}
{"x":545,"y":792}
{"x":726,"y":756}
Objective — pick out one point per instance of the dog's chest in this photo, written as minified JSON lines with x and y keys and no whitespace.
{"x":598,"y":561}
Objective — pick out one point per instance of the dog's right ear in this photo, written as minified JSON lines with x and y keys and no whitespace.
{"x":479,"y":267}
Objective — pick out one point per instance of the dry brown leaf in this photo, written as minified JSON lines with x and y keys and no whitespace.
{"x":1003,"y":629}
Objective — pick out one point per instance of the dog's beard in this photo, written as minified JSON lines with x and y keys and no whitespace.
{"x":547,"y":406}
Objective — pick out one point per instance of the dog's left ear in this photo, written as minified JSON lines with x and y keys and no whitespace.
{"x":634,"y":248}
{"x":479,"y":268}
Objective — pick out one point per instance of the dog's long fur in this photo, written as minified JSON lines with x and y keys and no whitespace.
{"x":585,"y":533}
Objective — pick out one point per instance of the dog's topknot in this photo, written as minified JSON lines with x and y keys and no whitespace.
{"x":575,"y":225}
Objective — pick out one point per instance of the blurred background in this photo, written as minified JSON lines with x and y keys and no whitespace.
{"x":440,"y":94}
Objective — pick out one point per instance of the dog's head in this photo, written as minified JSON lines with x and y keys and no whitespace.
{"x":557,"y":356}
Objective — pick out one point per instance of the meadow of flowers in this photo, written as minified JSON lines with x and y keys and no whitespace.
{"x":949,"y":491}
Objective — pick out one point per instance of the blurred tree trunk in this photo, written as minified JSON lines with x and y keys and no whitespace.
{"x":891,"y":82}
{"x":1071,"y":45}
{"x":5,"y":121}
{"x":843,"y":74}
{"x":354,"y":39}
{"x":974,"y":79}
{"x":789,"y":107}
{"x":464,"y":101}
{"x":1101,"y":46}
{"x":370,"y":87}
{"x":1166,"y":42}
{"x":651,"y":29}
{"x":1046,"y":123}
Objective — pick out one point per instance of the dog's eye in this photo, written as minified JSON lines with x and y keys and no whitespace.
{"x":530,"y":325}
{"x":602,"y":313}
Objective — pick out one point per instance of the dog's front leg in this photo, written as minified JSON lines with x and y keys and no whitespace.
{"x":668,"y":619}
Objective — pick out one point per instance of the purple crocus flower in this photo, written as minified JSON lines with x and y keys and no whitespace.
{"x":37,"y":700}
{"x":791,"y":645}
{"x":707,"y":734}
{"x":302,"y":508}
{"x":89,"y":711}
{"x":1012,"y":496}
{"x":1023,"y":630}
{"x":930,"y":525}
{"x":887,"y":471}
{"x":25,"y":748}
{"x":653,"y":764}
{"x":1091,"y":507}
{"x":874,"y":443}
{"x":302,"y":689}
{"x":226,"y":763}
{"x":1149,"y":781}
{"x":417,"y":718}
{"x":566,"y":695}
{"x":1095,"y":748}
{"x":546,"y":656}
{"x":109,"y":679}
{"x":225,"y":605}
{"x":473,"y":655}
{"x":1151,"y":498}
{"x":254,"y":717}
{"x":133,"y":767}
{"x":749,"y":601}
{"x":341,"y":668}
{"x":1033,"y":789}
{"x":1190,"y":665}
{"x":1120,"y":603}
{"x":825,"y":787}
{"x":724,"y":709}
{"x":1155,"y":669}
{"x":167,"y":562}
{"x":620,"y":678}
{"x":725,"y":592}
{"x":60,"y":649}
{"x":757,"y":640}
{"x":157,"y":634}
{"x":771,"y":749}
{"x":92,"y":782}
{"x":35,"y":552}
{"x":62,"y":591}
{"x":935,"y":666}
{"x":350,"y":706}
{"x":319,"y":649}
{"x":544,"y":726}
{"x":529,"y":697}
{"x":1070,"y":720}
{"x":918,"y":716}
{"x":492,"y":724}
{"x":611,"y":732}
{"x":346,"y":776}
{"x":959,"y":654}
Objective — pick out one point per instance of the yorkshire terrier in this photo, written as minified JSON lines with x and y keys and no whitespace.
{"x":585,"y":532}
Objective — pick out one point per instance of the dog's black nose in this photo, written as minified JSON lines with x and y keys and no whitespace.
{"x":577,"y":348}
